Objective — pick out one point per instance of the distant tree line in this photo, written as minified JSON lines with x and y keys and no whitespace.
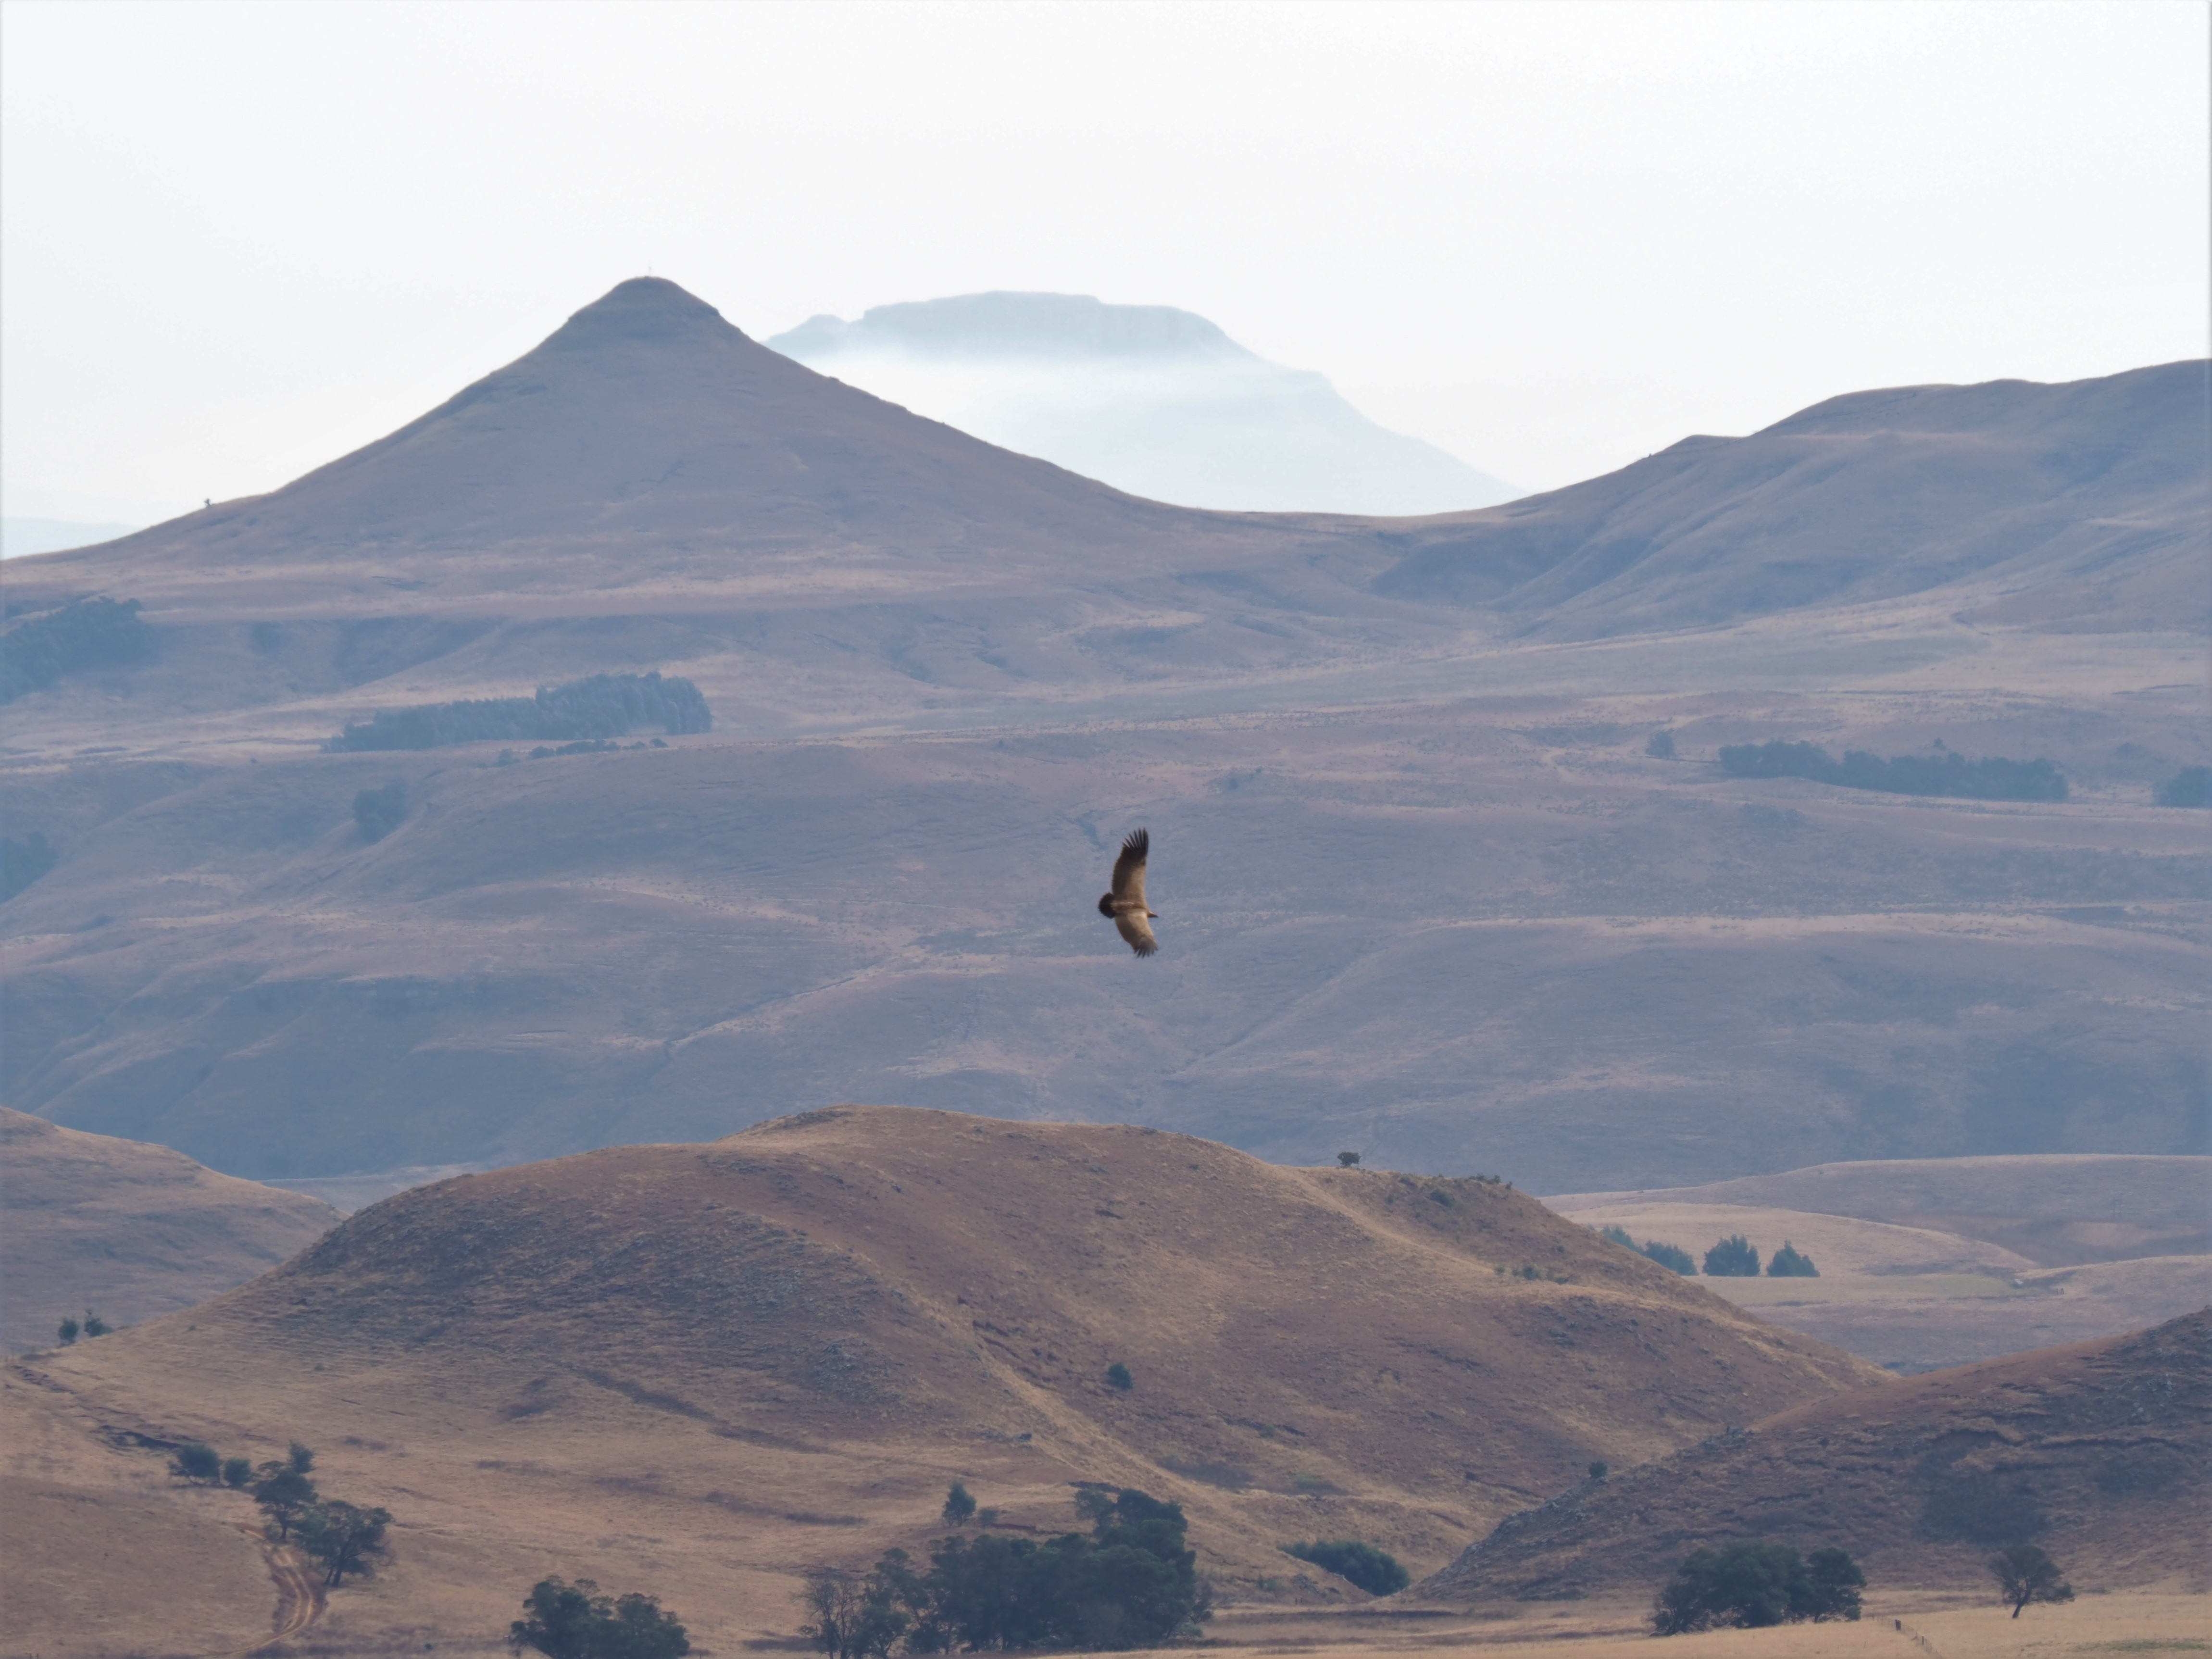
{"x":83,"y":634}
{"x":604,"y":706}
{"x":1989,"y":778}
{"x":1130,"y":1581}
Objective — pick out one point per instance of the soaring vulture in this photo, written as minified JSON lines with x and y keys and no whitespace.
{"x":1125,"y":906}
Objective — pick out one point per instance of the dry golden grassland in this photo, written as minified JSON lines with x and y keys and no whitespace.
{"x":1897,"y":1625}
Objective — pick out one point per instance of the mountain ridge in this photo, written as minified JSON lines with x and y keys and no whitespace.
{"x":2046,"y":493}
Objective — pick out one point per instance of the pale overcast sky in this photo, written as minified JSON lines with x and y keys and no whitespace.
{"x":238,"y":240}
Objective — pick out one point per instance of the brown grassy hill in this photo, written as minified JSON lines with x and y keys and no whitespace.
{"x":130,"y":1229}
{"x":2080,"y":505}
{"x":2101,"y":1452}
{"x":704,"y":1366}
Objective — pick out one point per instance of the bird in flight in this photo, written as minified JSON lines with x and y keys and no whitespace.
{"x":1125,"y":906}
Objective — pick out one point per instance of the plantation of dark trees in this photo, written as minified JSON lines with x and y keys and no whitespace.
{"x":82,"y":633}
{"x":1991,"y":778}
{"x":1129,"y":1583}
{"x":603,"y":705}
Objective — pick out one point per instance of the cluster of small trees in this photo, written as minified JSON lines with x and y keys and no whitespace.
{"x":1747,"y":1586}
{"x":83,"y":634}
{"x":1376,"y":1571}
{"x":1130,"y":1581}
{"x":339,"y":1537}
{"x":575,"y":1621}
{"x":1989,"y":778}
{"x":1733,"y":1257}
{"x":68,"y":1330}
{"x":1750,"y":1585}
{"x":1736,"y":1257}
{"x":603,"y":705}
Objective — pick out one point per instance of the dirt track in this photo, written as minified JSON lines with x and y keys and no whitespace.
{"x":300,"y":1596}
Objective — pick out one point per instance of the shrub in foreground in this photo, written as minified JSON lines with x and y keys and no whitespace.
{"x":1748,"y":1586}
{"x":1376,"y":1571}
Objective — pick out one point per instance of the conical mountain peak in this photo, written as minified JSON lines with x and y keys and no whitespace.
{"x":643,"y":309}
{"x":646,"y":428}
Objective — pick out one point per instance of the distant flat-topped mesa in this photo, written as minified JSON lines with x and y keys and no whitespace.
{"x":991,"y":327}
{"x":1154,"y":400}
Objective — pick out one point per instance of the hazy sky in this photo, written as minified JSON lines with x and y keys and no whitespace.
{"x":237,"y":240}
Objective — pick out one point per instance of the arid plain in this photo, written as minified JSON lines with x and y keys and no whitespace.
{"x":1429,"y":890}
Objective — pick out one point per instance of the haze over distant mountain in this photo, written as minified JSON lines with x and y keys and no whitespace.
{"x":1153,"y":400}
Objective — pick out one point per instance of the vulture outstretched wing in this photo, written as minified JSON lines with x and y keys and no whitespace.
{"x":1129,"y":910}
